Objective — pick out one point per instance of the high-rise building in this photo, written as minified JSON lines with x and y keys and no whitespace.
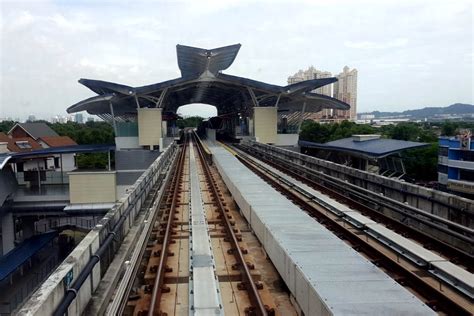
{"x":79,"y":118}
{"x":345,"y":89}
{"x":313,"y":73}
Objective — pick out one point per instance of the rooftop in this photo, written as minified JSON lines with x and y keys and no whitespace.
{"x":35,"y":130}
{"x":202,"y":81}
{"x":58,"y":141}
{"x":15,"y":258}
{"x":12,"y":156}
{"x":371,"y":146}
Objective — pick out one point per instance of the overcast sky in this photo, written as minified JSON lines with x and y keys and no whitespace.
{"x":409,"y":53}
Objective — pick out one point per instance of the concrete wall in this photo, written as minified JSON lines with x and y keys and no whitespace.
{"x":149,"y":126}
{"x":265,"y":124}
{"x":287,"y":139}
{"x":68,"y":163}
{"x":92,"y":187}
{"x":126,"y":142}
{"x":47,"y":298}
{"x":210,"y":134}
{"x":8,"y":232}
{"x":130,"y":164}
{"x":8,"y":184}
{"x":134,"y":159}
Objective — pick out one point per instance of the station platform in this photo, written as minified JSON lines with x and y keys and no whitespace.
{"x":324,"y":274}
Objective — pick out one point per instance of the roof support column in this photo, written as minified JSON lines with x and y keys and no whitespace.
{"x":254,"y":98}
{"x":301,"y":117}
{"x":161,"y":98}
{"x":278,"y":100}
{"x":136,"y":101}
{"x":113,"y":118}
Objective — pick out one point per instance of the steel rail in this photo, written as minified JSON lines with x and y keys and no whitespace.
{"x":72,"y":291}
{"x":432,"y":293}
{"x":254,"y":296}
{"x":368,"y":195}
{"x":383,"y":185}
{"x":354,"y":188}
{"x":160,"y":274}
{"x":119,"y":302}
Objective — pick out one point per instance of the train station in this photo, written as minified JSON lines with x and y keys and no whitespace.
{"x":231,"y":219}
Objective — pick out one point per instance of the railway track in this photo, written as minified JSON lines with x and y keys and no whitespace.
{"x":446,"y":293}
{"x":448,"y":238}
{"x":195,"y":259}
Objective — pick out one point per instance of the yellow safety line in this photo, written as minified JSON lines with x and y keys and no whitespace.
{"x":233,"y":152}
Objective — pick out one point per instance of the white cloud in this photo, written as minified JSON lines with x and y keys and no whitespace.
{"x":399,"y":42}
{"x":22,"y":20}
{"x":396,"y":45}
{"x":71,"y":24}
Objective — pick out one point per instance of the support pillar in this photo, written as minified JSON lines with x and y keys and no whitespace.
{"x":265,"y":120}
{"x":149,"y":127}
{"x":28,"y":227}
{"x":301,"y":117}
{"x":164,"y":128}
{"x":8,"y":233}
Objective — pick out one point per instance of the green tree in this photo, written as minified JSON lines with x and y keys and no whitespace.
{"x":191,"y":121}
{"x":5,"y":126}
{"x":404,"y":131}
{"x":314,"y":132}
{"x":421,"y":164}
{"x":89,"y":133}
{"x":321,"y":133}
{"x":448,"y":128}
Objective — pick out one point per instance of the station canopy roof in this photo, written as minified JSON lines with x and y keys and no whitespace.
{"x":371,"y":148}
{"x":202,"y":81}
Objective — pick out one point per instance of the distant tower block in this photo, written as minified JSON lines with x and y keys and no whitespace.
{"x":149,"y":127}
{"x":265,"y":124}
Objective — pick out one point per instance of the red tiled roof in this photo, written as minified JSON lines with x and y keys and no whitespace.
{"x":58,"y":141}
{"x":12,"y":146}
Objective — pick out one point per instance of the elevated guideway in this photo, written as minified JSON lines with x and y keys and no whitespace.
{"x":324,"y":274}
{"x":177,"y":242}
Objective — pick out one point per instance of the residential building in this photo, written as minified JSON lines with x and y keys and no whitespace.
{"x":25,"y":137}
{"x":79,"y":118}
{"x":345,"y":89}
{"x":456,"y":164}
{"x":313,"y":73}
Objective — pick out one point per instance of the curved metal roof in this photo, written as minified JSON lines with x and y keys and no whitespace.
{"x":202,"y":81}
{"x":374,"y":148}
{"x":195,"y":61}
